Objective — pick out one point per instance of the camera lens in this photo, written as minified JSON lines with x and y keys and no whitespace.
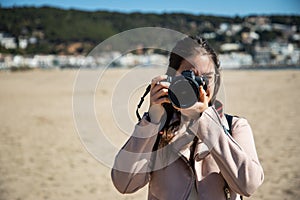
{"x":183,"y":92}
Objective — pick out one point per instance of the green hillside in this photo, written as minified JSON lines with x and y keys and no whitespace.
{"x":56,"y":28}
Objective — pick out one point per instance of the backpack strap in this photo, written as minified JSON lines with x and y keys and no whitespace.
{"x":229,"y":121}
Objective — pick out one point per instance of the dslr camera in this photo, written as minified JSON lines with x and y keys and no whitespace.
{"x":184,"y":89}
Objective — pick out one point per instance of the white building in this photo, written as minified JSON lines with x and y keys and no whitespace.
{"x":7,"y":41}
{"x":23,"y":43}
{"x":235,"y":60}
{"x":230,"y":47}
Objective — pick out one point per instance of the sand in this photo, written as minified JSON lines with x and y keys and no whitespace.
{"x":42,"y":156}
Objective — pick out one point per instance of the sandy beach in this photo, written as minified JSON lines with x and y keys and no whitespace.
{"x":42,"y":156}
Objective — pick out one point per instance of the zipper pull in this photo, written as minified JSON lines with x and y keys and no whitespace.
{"x":227,"y":193}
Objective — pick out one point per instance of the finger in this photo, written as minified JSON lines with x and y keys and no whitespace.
{"x":163,"y":100}
{"x":202,"y":94}
{"x":160,"y":101}
{"x":159,"y":86}
{"x":164,"y":84}
{"x":161,"y":93}
{"x":157,"y":79}
{"x":156,"y":88}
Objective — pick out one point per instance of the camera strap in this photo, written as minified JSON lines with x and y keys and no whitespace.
{"x":141,"y":101}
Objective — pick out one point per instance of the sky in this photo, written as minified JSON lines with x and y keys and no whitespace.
{"x":207,"y":7}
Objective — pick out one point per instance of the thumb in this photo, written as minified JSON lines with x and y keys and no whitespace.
{"x":202,"y":94}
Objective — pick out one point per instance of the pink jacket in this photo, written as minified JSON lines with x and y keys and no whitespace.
{"x":217,"y":157}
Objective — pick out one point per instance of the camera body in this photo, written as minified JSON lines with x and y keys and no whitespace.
{"x":184,"y":89}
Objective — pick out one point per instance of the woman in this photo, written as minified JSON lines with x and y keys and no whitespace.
{"x":188,"y":153}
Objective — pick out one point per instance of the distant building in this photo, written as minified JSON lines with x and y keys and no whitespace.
{"x":262,"y":55}
{"x":235,"y":60}
{"x":223,"y":28}
{"x":209,"y":35}
{"x":249,"y":37}
{"x":258,"y":20}
{"x":235,"y":28}
{"x":7,"y":41}
{"x":32,"y":40}
{"x":231,"y":47}
{"x":23,"y":43}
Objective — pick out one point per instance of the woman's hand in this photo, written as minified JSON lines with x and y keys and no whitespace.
{"x":199,"y":107}
{"x":158,"y":96}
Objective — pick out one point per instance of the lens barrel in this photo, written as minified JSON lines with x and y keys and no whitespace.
{"x":184,"y":89}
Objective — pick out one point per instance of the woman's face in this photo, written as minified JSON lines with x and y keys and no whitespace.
{"x":200,"y":65}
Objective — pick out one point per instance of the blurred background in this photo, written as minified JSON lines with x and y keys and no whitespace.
{"x":40,"y":34}
{"x":43,"y":45}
